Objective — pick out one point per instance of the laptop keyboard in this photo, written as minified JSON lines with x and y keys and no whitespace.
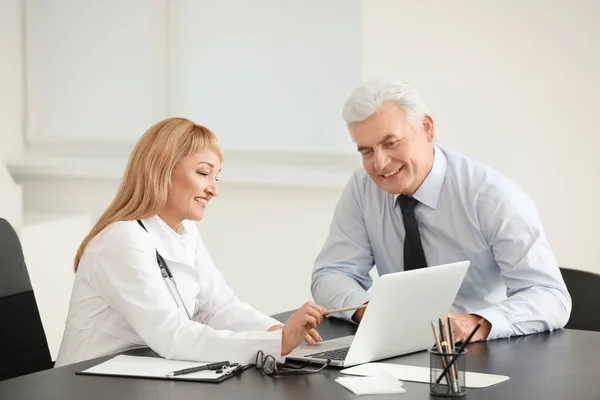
{"x":335,"y":354}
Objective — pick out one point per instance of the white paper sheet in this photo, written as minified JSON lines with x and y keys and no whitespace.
{"x":420,"y":374}
{"x":376,"y":384}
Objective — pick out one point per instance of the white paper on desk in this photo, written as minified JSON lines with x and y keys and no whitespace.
{"x":376,"y":384}
{"x":473,"y":380}
{"x":149,"y":367}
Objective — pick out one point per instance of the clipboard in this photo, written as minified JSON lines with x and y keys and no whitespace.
{"x":157,"y":368}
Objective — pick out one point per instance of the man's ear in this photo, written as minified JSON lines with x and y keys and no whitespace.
{"x":429,"y":128}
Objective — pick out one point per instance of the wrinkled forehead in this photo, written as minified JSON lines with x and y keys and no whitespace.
{"x":390,"y":120}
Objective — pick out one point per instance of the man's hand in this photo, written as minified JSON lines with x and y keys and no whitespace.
{"x":463,"y":325}
{"x":357,"y":316}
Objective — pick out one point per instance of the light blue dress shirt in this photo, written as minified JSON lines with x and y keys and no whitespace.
{"x":468,"y":212}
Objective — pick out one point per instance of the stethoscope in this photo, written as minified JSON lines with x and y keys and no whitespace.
{"x":168,"y":278}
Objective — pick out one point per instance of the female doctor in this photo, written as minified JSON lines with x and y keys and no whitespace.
{"x":144,"y":277}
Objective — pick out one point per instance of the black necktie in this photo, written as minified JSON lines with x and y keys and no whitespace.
{"x":414,"y":257}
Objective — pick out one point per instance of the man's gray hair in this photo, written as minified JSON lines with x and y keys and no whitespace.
{"x":370,"y":97}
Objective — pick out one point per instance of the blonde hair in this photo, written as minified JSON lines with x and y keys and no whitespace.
{"x":147,"y":179}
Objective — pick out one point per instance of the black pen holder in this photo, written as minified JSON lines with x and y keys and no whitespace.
{"x":443,"y":381}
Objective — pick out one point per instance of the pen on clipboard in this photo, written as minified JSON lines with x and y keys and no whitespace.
{"x":207,"y":367}
{"x":233,"y":368}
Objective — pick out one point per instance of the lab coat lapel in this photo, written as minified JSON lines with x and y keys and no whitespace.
{"x":172,"y":246}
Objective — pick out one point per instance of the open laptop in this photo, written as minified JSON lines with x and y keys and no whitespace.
{"x":397,"y":320}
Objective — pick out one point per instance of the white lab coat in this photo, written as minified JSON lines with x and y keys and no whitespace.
{"x":120,"y":301}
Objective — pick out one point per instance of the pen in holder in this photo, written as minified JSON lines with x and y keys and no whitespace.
{"x":452,"y":383}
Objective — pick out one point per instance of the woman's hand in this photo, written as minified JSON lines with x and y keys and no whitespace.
{"x":312,"y":337}
{"x":301,"y":326}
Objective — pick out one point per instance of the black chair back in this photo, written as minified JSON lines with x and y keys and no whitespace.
{"x":23,"y":345}
{"x":584,"y":288}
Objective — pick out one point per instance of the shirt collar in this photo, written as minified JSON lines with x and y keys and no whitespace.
{"x":429,"y":191}
{"x":173,"y":246}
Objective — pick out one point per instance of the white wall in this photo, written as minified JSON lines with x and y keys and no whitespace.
{"x":49,"y":246}
{"x":11,"y":78}
{"x":11,"y":198}
{"x":514,"y":86}
{"x":282,"y":67}
{"x":11,"y":106}
{"x":99,"y":59}
{"x":264,"y":62}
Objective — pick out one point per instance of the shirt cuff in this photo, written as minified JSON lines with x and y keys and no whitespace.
{"x":354,"y":299}
{"x":269,"y":322}
{"x":500,"y":325}
{"x":274,"y":347}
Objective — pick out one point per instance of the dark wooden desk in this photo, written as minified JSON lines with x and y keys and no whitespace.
{"x":564,"y":364}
